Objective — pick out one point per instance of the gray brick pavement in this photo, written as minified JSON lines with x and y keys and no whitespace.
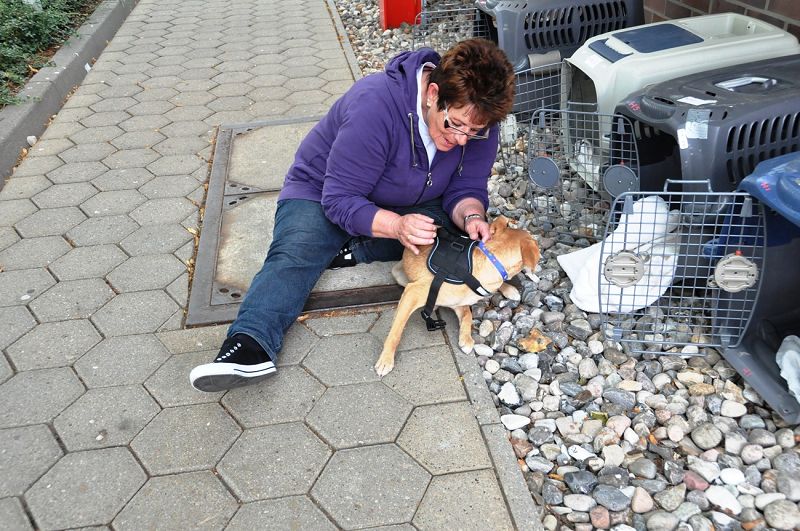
{"x":99,"y":425}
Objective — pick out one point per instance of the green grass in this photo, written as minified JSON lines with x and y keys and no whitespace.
{"x":29,"y":36}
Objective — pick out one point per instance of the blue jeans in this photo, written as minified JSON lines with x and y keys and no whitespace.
{"x":304,"y":242}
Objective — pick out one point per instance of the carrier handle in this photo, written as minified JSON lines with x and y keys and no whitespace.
{"x":688,"y":181}
{"x":735,"y":83}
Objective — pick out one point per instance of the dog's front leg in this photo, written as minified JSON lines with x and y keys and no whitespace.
{"x":413,"y":298}
{"x":510,"y":292}
{"x":465,"y":341}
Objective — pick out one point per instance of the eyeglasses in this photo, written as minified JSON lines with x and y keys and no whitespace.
{"x":481,"y":134}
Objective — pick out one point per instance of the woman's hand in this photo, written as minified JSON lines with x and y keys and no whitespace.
{"x":478,"y":229}
{"x":414,"y":229}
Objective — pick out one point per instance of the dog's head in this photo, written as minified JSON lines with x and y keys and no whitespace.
{"x":517,"y":246}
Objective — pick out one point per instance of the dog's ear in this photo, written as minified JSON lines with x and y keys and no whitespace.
{"x":530,"y":253}
{"x":499,"y":224}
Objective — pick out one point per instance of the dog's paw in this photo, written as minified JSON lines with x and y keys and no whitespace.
{"x":466,"y":346}
{"x":510,"y":292}
{"x":384,"y":367}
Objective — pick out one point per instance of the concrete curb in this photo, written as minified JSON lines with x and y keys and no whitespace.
{"x":46,"y":91}
{"x":344,"y":40}
{"x":524,"y":512}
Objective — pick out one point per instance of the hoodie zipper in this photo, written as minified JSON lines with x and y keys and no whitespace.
{"x":429,"y":180}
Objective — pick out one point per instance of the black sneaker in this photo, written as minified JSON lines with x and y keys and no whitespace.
{"x":241,"y":361}
{"x":344,"y":258}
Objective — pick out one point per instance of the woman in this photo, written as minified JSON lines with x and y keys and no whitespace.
{"x":401,"y":152}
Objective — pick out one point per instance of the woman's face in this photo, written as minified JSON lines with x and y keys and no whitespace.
{"x":458,"y":120}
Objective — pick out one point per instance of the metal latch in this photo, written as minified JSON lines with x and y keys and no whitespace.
{"x":735,"y":273}
{"x":624,"y":269}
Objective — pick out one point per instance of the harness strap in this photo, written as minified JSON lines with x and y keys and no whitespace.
{"x":427,"y":312}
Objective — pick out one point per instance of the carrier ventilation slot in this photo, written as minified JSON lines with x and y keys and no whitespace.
{"x":554,"y":28}
{"x":749,"y":144}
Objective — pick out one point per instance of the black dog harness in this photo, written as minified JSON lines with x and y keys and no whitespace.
{"x":451,"y":261}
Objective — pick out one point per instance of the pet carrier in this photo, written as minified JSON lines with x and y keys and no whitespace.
{"x":716,"y":125}
{"x":573,"y":183}
{"x":530,"y":33}
{"x":681,"y":271}
{"x":534,"y":36}
{"x":608,"y":67}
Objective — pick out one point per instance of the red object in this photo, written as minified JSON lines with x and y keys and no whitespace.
{"x":395,"y":12}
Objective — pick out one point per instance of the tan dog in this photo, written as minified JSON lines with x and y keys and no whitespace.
{"x":514,"y":248}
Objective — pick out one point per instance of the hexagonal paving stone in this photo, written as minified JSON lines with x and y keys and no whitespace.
{"x":415,"y":335}
{"x":190,"y":127}
{"x":294,"y":512}
{"x":62,"y":195}
{"x":16,"y":321}
{"x":355,"y":415}
{"x":85,"y":488}
{"x":195,"y":500}
{"x":95,"y":261}
{"x":170,"y":186}
{"x":13,"y":515}
{"x":73,"y":299}
{"x":371,"y":486}
{"x":121,"y":361}
{"x":141,"y":312}
{"x":33,"y":252}
{"x":131,"y":158}
{"x":297,"y":343}
{"x":183,"y":145}
{"x":445,"y":438}
{"x":122,"y":179}
{"x":341,"y":324}
{"x":170,"y":383}
{"x":188,"y":113}
{"x":49,"y":222}
{"x":33,"y":397}
{"x":185,"y":438}
{"x":15,"y":210}
{"x":169,"y":210}
{"x":38,"y":165}
{"x":175,"y":165}
{"x":88,"y":152}
{"x":97,"y":134}
{"x":26,"y":454}
{"x":290,"y":395}
{"x":108,"y":416}
{"x":53,"y":345}
{"x":8,"y":236}
{"x":77,"y":172}
{"x":103,"y":119}
{"x":477,"y":496}
{"x":138,"y":139}
{"x":344,"y":359}
{"x":156,"y":239}
{"x":23,"y":285}
{"x":97,"y":231}
{"x":155,"y":271}
{"x":426,"y":376}
{"x":113,"y":203}
{"x":274,"y":461}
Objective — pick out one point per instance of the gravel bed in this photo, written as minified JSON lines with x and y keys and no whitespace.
{"x":608,"y":438}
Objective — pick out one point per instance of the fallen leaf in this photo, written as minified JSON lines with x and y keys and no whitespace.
{"x":535,"y":342}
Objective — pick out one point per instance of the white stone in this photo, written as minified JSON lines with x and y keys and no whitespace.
{"x":528,"y":361}
{"x":486,"y":328}
{"x":587,"y":368}
{"x":508,"y":395}
{"x":491,"y":366}
{"x":661,"y":379}
{"x":690,"y":377}
{"x":567,"y":426}
{"x":613,"y":455}
{"x":551,"y":403}
{"x":579,"y":454}
{"x":549,"y":424}
{"x":630,"y":385}
{"x":762,"y":500}
{"x":514,"y":422}
{"x":579,"y":502}
{"x":724,"y":499}
{"x":484,"y":350}
{"x":732,"y":409}
{"x":731,"y":476}
{"x":675,"y":433}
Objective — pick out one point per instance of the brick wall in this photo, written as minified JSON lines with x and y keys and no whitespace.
{"x":782,"y":13}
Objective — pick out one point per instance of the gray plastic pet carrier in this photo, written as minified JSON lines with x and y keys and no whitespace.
{"x":531,"y":33}
{"x":573,"y":176}
{"x":683,"y":271}
{"x":716,"y":125}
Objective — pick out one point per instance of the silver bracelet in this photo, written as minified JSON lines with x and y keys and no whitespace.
{"x":469,"y":217}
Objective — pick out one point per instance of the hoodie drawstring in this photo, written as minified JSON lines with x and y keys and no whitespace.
{"x":411,"y":137}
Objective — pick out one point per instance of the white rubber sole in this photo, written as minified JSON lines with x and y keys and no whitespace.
{"x":213,"y":377}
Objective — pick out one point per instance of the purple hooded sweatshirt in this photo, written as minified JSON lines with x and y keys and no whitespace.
{"x":367,"y":153}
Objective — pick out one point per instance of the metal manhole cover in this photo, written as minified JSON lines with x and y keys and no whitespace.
{"x":246,"y":176}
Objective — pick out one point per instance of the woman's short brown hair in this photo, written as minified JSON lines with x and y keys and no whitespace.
{"x":476,"y":72}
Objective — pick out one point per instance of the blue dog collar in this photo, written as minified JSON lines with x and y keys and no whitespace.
{"x":493,"y":259}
